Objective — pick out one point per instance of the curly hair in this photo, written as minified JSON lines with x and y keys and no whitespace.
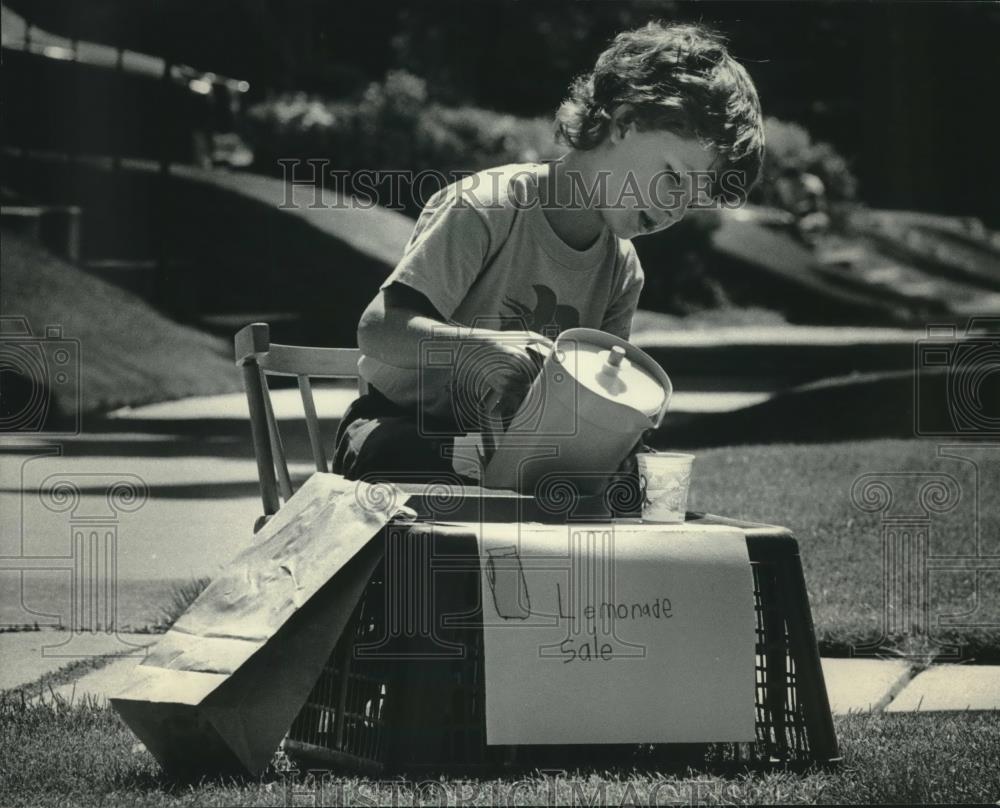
{"x":675,"y":77}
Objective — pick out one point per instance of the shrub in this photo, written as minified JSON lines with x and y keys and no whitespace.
{"x":791,"y":151}
{"x":393,"y":125}
{"x":396,"y":125}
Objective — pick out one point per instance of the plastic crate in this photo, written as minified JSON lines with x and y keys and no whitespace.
{"x":397,"y":696}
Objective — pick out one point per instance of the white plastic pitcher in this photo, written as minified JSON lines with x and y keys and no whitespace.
{"x":588,"y":407}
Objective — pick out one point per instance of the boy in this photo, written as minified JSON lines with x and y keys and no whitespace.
{"x":515,"y":255}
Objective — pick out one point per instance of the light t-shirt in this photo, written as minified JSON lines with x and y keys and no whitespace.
{"x":484,"y":255}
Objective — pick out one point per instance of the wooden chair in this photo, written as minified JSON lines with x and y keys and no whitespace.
{"x":260,"y":358}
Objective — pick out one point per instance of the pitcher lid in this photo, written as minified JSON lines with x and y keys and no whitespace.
{"x":608,"y":372}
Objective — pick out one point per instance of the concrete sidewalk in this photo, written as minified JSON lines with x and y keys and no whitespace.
{"x":29,"y":655}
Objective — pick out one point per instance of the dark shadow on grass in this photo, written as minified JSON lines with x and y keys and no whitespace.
{"x":127,"y":446}
{"x":857,"y":407}
{"x":188,"y":427}
{"x":209,"y":437}
{"x":613,"y":761}
{"x":194,"y":490}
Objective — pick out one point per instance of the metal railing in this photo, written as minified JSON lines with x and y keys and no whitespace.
{"x":79,"y":103}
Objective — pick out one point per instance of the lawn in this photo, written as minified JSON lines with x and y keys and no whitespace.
{"x":59,"y":754}
{"x":130,"y":354}
{"x":807,"y":488}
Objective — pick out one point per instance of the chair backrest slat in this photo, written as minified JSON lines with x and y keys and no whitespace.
{"x":277,"y":446}
{"x":312,"y":423}
{"x":261,"y":437}
{"x":297,"y":360}
{"x":260,"y":358}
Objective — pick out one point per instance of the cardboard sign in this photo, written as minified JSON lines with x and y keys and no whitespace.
{"x":617,"y":634}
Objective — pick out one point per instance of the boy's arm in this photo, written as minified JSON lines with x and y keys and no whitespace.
{"x":399,"y":318}
{"x":620,"y":312}
{"x":448,"y":249}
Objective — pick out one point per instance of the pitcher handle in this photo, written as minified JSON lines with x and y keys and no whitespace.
{"x":666,"y":404}
{"x":489,"y":416}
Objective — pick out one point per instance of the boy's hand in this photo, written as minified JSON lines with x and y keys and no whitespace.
{"x":502,"y":371}
{"x":496,"y":367}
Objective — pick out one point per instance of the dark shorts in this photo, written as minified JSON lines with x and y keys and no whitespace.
{"x":380,"y":440}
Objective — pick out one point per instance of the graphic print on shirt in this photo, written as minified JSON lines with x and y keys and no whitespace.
{"x":547,"y":317}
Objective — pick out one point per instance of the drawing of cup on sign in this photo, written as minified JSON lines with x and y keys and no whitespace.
{"x":510,"y":590}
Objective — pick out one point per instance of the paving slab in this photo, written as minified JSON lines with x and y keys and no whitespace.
{"x":950,"y":687}
{"x":863,"y":685}
{"x":28,"y":655}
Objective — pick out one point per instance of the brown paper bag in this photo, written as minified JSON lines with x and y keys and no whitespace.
{"x":221,"y":688}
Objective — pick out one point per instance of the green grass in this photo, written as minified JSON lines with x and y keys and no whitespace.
{"x":60,"y":754}
{"x":130,"y":354}
{"x":182,"y":595}
{"x":807,"y":488}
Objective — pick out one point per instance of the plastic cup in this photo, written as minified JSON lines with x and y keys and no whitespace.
{"x":664,"y":479}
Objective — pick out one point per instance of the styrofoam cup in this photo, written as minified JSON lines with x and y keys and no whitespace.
{"x":664,"y":478}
